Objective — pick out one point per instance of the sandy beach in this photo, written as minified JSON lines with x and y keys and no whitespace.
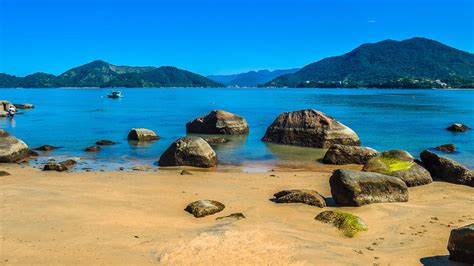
{"x":137,"y":218}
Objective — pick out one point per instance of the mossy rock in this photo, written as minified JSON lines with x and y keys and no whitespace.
{"x":203,"y":208}
{"x":348,"y":223}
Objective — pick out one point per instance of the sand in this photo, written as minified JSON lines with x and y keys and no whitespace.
{"x":137,"y":218}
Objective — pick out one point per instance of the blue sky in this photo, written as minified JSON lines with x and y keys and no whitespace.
{"x":215,"y":36}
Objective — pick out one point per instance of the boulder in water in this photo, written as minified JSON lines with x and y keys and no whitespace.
{"x":309,"y":128}
{"x":105,"y":142}
{"x":401,"y":164}
{"x":344,"y":154}
{"x":94,"y":148}
{"x":46,"y":148}
{"x":218,"y":122}
{"x":24,"y":106}
{"x":203,"y":208}
{"x":189,"y":151}
{"x":447,"y":148}
{"x":447,"y":169}
{"x":305,"y":196}
{"x":4,"y":106}
{"x":357,"y":188}
{"x":461,"y":244}
{"x":458,"y":127}
{"x":12,"y":150}
{"x":142,"y":134}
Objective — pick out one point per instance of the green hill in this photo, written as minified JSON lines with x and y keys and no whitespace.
{"x":103,"y":74}
{"x":412,"y":63}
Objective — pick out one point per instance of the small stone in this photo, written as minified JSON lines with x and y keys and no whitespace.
{"x":348,"y":223}
{"x":447,"y":148}
{"x":309,"y":197}
{"x":4,"y":173}
{"x":184,"y":172}
{"x":105,"y":142}
{"x":93,"y":149}
{"x":203,"y":208}
{"x":458,"y":127}
{"x":237,"y":216}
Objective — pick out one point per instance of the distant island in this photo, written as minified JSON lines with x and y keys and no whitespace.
{"x":251,"y":78}
{"x":104,"y":75}
{"x":412,"y":63}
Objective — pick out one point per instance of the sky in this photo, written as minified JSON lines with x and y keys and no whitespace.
{"x":215,"y":36}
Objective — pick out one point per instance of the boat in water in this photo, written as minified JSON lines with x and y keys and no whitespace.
{"x":115,"y":95}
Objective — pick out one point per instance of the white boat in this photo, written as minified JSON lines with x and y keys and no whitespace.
{"x":115,"y":94}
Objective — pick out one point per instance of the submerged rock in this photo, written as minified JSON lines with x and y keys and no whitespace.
{"x":12,"y":150}
{"x":216,"y":140}
{"x":357,"y":188}
{"x":458,"y":127}
{"x":24,"y":105}
{"x":461,"y":244}
{"x":203,"y":208}
{"x":447,"y":169}
{"x":348,"y":223}
{"x":448,"y":148}
{"x":4,"y":173}
{"x":401,"y":164}
{"x":344,"y":154}
{"x":46,"y":148}
{"x":309,"y":128}
{"x":105,"y":142}
{"x":218,"y":122}
{"x":306,"y":196}
{"x":59,"y":167}
{"x":236,"y":216}
{"x":142,"y":134}
{"x":93,"y":148}
{"x":189,"y":151}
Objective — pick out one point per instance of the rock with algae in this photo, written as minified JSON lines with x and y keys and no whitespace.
{"x":203,"y":208}
{"x":348,"y":223}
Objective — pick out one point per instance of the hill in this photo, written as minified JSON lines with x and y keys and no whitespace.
{"x":252,"y":78}
{"x":412,"y":63}
{"x":102,"y":74}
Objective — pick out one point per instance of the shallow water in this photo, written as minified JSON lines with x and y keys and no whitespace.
{"x":384,"y":119}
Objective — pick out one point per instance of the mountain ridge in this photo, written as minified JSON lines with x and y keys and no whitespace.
{"x":251,"y":78}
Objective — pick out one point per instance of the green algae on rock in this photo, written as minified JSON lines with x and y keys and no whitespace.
{"x":348,"y":223}
{"x":203,"y":208}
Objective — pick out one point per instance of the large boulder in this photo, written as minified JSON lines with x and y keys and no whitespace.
{"x":357,"y":188}
{"x":12,"y":150}
{"x":348,"y":223}
{"x":458,"y":127}
{"x":203,"y":208}
{"x":461,"y":244}
{"x":142,"y":134}
{"x":344,"y":154}
{"x":306,"y":196}
{"x":309,"y":128}
{"x":401,"y":164}
{"x":218,"y":122}
{"x":189,"y":151}
{"x":447,"y":169}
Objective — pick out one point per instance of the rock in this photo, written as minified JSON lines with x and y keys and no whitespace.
{"x":142,"y":134}
{"x":457,"y":127}
{"x":32,"y":153}
{"x":309,"y":128}
{"x":344,"y":154}
{"x":461,"y":244}
{"x":447,"y":169}
{"x":141,"y":168}
{"x":60,"y":167}
{"x":4,"y":105}
{"x":216,"y":140}
{"x":24,"y":105}
{"x":46,"y":148}
{"x":203,"y":208}
{"x":348,"y":223}
{"x":448,"y":148}
{"x":12,"y":150}
{"x":357,"y":188}
{"x":4,"y":173}
{"x":189,"y":151}
{"x":105,"y":142}
{"x":306,"y":196}
{"x":184,"y":172}
{"x":236,"y":216}
{"x":218,"y":122}
{"x":401,"y":164}
{"x":93,"y":148}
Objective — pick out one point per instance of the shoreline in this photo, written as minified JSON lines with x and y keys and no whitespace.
{"x":138,"y":218}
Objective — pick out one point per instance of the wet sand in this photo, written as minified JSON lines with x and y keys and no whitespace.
{"x":124,"y":218}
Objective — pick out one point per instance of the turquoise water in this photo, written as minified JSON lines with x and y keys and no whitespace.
{"x":384,"y":119}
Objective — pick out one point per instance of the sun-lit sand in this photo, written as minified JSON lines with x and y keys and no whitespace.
{"x":117,"y":218}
